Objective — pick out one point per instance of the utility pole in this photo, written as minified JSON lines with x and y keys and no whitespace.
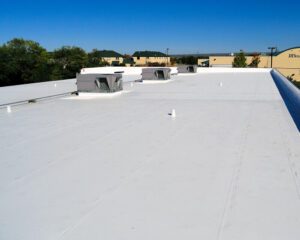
{"x":272,"y":50}
{"x":167,"y":56}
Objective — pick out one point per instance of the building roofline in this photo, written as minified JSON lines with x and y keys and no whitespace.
{"x":109,"y":53}
{"x":205,"y":55}
{"x":278,"y":53}
{"x":149,"y":54}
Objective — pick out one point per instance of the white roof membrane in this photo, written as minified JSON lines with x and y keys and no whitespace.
{"x":227,"y":167}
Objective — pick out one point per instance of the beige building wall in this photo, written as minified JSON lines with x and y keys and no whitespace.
{"x":220,"y":60}
{"x":113,"y":59}
{"x":146,"y":60}
{"x":286,"y":62}
{"x":201,"y":60}
{"x":294,"y":73}
{"x":265,"y":62}
{"x":228,"y":60}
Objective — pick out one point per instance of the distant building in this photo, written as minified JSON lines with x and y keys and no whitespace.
{"x":203,"y":62}
{"x":227,"y":59}
{"x":128,"y":61}
{"x":287,"y":62}
{"x":112,"y":57}
{"x":146,"y":57}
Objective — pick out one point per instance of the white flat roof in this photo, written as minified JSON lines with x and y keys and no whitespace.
{"x":227,"y":167}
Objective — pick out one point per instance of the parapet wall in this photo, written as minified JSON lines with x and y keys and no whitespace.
{"x":290,"y":94}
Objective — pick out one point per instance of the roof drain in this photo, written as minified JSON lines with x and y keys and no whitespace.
{"x":172,"y":113}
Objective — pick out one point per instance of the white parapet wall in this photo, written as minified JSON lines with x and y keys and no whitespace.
{"x":290,"y":94}
{"x":232,"y":70}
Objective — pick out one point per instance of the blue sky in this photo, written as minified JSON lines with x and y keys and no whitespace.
{"x":183,"y":26}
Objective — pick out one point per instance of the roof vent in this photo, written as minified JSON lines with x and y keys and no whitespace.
{"x":99,"y":83}
{"x":187,"y":69}
{"x":156,"y":73}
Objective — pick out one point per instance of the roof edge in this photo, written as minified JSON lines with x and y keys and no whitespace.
{"x":278,"y":53}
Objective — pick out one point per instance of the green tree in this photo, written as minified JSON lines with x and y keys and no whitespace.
{"x":190,"y":60}
{"x":295,"y":82}
{"x":67,"y":61}
{"x":239,"y":60}
{"x":255,"y":61}
{"x":23,"y":61}
{"x":173,"y":61}
{"x":4,"y":67}
{"x":95,"y":59}
{"x":291,"y":77}
{"x":155,"y":64}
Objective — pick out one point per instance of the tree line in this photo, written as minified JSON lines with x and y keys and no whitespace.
{"x":24,"y":61}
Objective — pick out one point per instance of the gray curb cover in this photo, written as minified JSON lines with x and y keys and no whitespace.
{"x":187,"y":68}
{"x":156,"y":73}
{"x":99,"y":83}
